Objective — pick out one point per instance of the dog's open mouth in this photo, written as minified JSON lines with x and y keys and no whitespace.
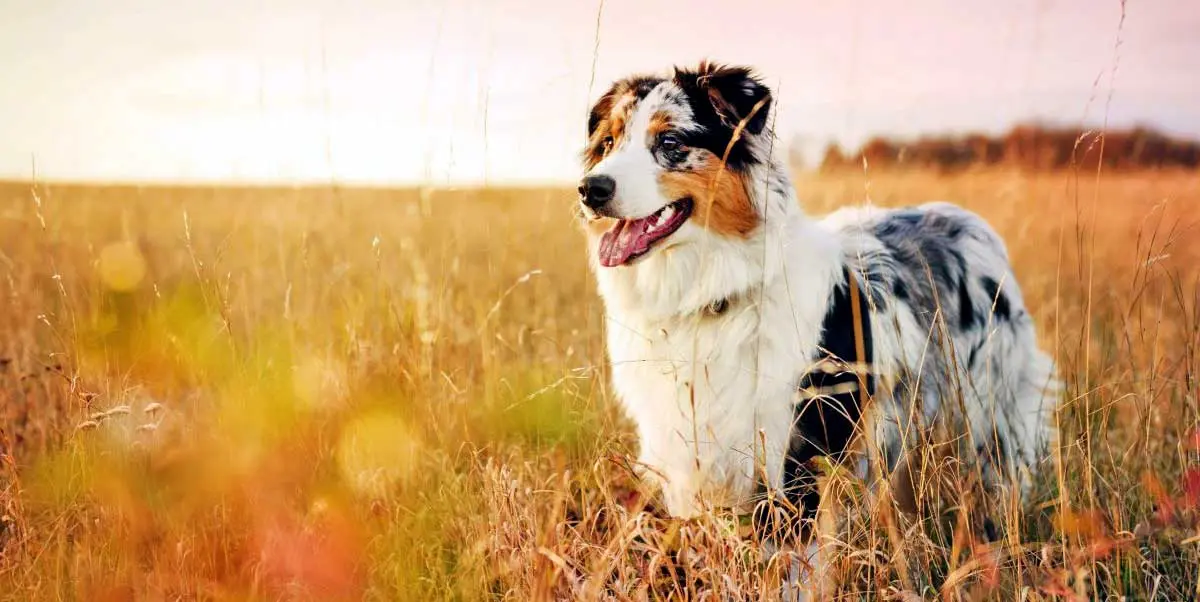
{"x":632,"y":238}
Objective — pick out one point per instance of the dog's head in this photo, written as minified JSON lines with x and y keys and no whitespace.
{"x":668,"y":158}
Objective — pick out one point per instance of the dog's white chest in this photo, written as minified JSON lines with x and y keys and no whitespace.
{"x":712,"y":398}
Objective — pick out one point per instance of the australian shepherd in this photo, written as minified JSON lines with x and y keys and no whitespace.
{"x":747,"y":338}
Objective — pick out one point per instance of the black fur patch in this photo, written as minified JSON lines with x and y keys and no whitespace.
{"x":642,"y":86}
{"x":966,"y":308}
{"x":974,"y":354}
{"x":995,"y":296}
{"x":739,"y":92}
{"x":824,"y":425}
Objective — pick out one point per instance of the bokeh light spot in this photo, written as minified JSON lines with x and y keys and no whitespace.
{"x":376,"y":452}
{"x":121,"y":266}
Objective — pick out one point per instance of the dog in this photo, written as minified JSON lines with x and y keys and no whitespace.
{"x":747,"y":338}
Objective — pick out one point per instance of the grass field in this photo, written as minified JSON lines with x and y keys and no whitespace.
{"x":256,"y":394}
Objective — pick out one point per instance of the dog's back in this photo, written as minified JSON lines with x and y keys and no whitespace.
{"x":953,"y":339}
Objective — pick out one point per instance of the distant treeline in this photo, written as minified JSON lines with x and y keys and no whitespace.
{"x":1026,"y":147}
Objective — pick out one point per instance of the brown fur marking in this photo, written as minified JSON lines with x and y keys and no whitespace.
{"x":721,"y":200}
{"x":659,"y":123}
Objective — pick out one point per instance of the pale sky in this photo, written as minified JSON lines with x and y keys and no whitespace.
{"x":467,"y":91}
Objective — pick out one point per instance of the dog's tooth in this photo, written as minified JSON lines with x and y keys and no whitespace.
{"x":666,"y":213}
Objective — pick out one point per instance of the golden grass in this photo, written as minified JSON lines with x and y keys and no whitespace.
{"x":400,"y":395}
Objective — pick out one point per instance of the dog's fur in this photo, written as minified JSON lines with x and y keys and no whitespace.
{"x":711,"y":330}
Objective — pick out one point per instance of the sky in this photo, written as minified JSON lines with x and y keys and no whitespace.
{"x":496,"y":91}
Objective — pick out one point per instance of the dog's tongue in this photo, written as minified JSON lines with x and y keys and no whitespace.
{"x":625,"y":241}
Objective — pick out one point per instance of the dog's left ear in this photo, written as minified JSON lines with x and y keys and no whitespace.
{"x":736,"y":93}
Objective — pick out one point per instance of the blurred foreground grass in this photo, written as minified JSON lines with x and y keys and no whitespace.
{"x":400,"y":395}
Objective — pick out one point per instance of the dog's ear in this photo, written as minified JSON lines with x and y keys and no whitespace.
{"x":602,"y":108}
{"x":736,"y":93}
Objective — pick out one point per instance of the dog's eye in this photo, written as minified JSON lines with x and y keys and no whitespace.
{"x":607,"y":143}
{"x":669,"y":142}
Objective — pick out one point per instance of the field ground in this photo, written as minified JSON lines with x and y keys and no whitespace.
{"x":400,"y":395}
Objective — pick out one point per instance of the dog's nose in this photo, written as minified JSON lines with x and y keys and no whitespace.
{"x":597,"y":191}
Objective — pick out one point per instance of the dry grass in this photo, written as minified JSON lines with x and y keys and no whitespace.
{"x":342,"y":394}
